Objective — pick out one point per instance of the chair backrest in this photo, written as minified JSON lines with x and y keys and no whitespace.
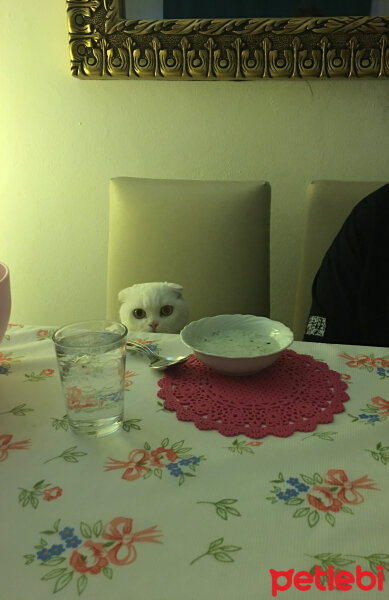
{"x":211,"y":237}
{"x":328,"y":205}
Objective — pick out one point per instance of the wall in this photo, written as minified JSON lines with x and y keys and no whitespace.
{"x":62,"y":139}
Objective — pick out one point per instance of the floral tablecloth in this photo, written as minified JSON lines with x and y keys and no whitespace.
{"x":164,"y":511}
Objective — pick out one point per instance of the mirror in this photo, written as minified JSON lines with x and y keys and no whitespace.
{"x":113,"y":39}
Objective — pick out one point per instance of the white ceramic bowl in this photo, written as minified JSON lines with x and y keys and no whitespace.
{"x":237,"y":344}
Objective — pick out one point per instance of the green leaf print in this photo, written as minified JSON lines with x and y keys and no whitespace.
{"x":86,"y":531}
{"x":342,"y":561}
{"x":55,"y":528}
{"x":61,"y":423}
{"x":69,"y":455}
{"x":108,"y":572}
{"x":53,"y":574}
{"x":301,"y":512}
{"x":177,"y":445}
{"x":131,"y":424}
{"x":380,"y":454}
{"x":313,"y":518}
{"x":219,"y":552}
{"x":223,"y":507}
{"x":54,"y":561}
{"x":63,"y":581}
{"x":347,"y":510}
{"x":97,"y":528}
{"x":324,"y":435}
{"x":81,"y":584}
{"x":240,"y":447}
{"x":18,"y":411}
{"x":294,"y":501}
{"x":330,"y":519}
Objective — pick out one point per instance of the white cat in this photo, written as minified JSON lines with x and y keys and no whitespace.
{"x":158,"y":307}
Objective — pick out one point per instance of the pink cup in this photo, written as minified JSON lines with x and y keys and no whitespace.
{"x":5,"y":299}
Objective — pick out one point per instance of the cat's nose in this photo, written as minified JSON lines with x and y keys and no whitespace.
{"x":154,"y":325}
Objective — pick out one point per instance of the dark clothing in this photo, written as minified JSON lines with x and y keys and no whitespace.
{"x":350,"y":293}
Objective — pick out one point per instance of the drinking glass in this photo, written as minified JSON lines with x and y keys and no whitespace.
{"x":5,"y":299}
{"x":91,"y":358}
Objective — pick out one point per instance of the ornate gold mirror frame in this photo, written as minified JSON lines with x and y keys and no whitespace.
{"x":103,"y":45}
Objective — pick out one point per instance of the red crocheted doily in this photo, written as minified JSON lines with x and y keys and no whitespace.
{"x":295,"y":394}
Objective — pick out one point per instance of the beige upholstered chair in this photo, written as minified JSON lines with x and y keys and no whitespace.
{"x":212,"y":237}
{"x":328,"y":205}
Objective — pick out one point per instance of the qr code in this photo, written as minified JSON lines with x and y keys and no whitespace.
{"x":316,"y":326}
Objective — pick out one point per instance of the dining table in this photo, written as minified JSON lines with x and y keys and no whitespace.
{"x":215,"y":487}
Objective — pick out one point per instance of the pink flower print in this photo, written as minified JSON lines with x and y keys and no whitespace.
{"x":383,"y":361}
{"x":135,"y":466}
{"x":324,"y":499}
{"x":52,"y":494}
{"x":46,"y":372}
{"x":127,"y":380}
{"x":156,"y":454}
{"x":382,"y":404}
{"x":4,"y":358}
{"x":90,"y":402}
{"x":360,"y":360}
{"x":120,"y":530}
{"x":42,"y":333}
{"x":347,"y":493}
{"x":5,"y":445}
{"x":345,"y":377}
{"x":89,"y":558}
{"x":73,"y":397}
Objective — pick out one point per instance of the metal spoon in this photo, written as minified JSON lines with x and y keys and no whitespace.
{"x":155,"y":360}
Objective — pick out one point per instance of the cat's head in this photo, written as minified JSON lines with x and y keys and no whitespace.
{"x":154,"y":307}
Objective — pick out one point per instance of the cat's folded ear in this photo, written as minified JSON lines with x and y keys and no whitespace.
{"x":123,"y":295}
{"x":178,"y":289}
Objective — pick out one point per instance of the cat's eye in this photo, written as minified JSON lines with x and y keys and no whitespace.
{"x":139,"y":313}
{"x":166,"y":311}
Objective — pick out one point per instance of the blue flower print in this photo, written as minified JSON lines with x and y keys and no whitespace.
{"x":44,"y":554}
{"x":189,"y":461}
{"x":369,"y":418}
{"x":289,"y":493}
{"x":174,"y":469}
{"x":67,"y":532}
{"x":301,"y":487}
{"x":4,"y":369}
{"x":73,"y":542}
{"x":293,"y":481}
{"x":56,"y":549}
{"x":382,"y":372}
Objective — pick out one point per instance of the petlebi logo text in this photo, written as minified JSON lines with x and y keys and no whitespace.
{"x":329,"y":579}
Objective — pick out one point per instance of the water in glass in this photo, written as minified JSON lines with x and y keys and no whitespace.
{"x":92,"y":369}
